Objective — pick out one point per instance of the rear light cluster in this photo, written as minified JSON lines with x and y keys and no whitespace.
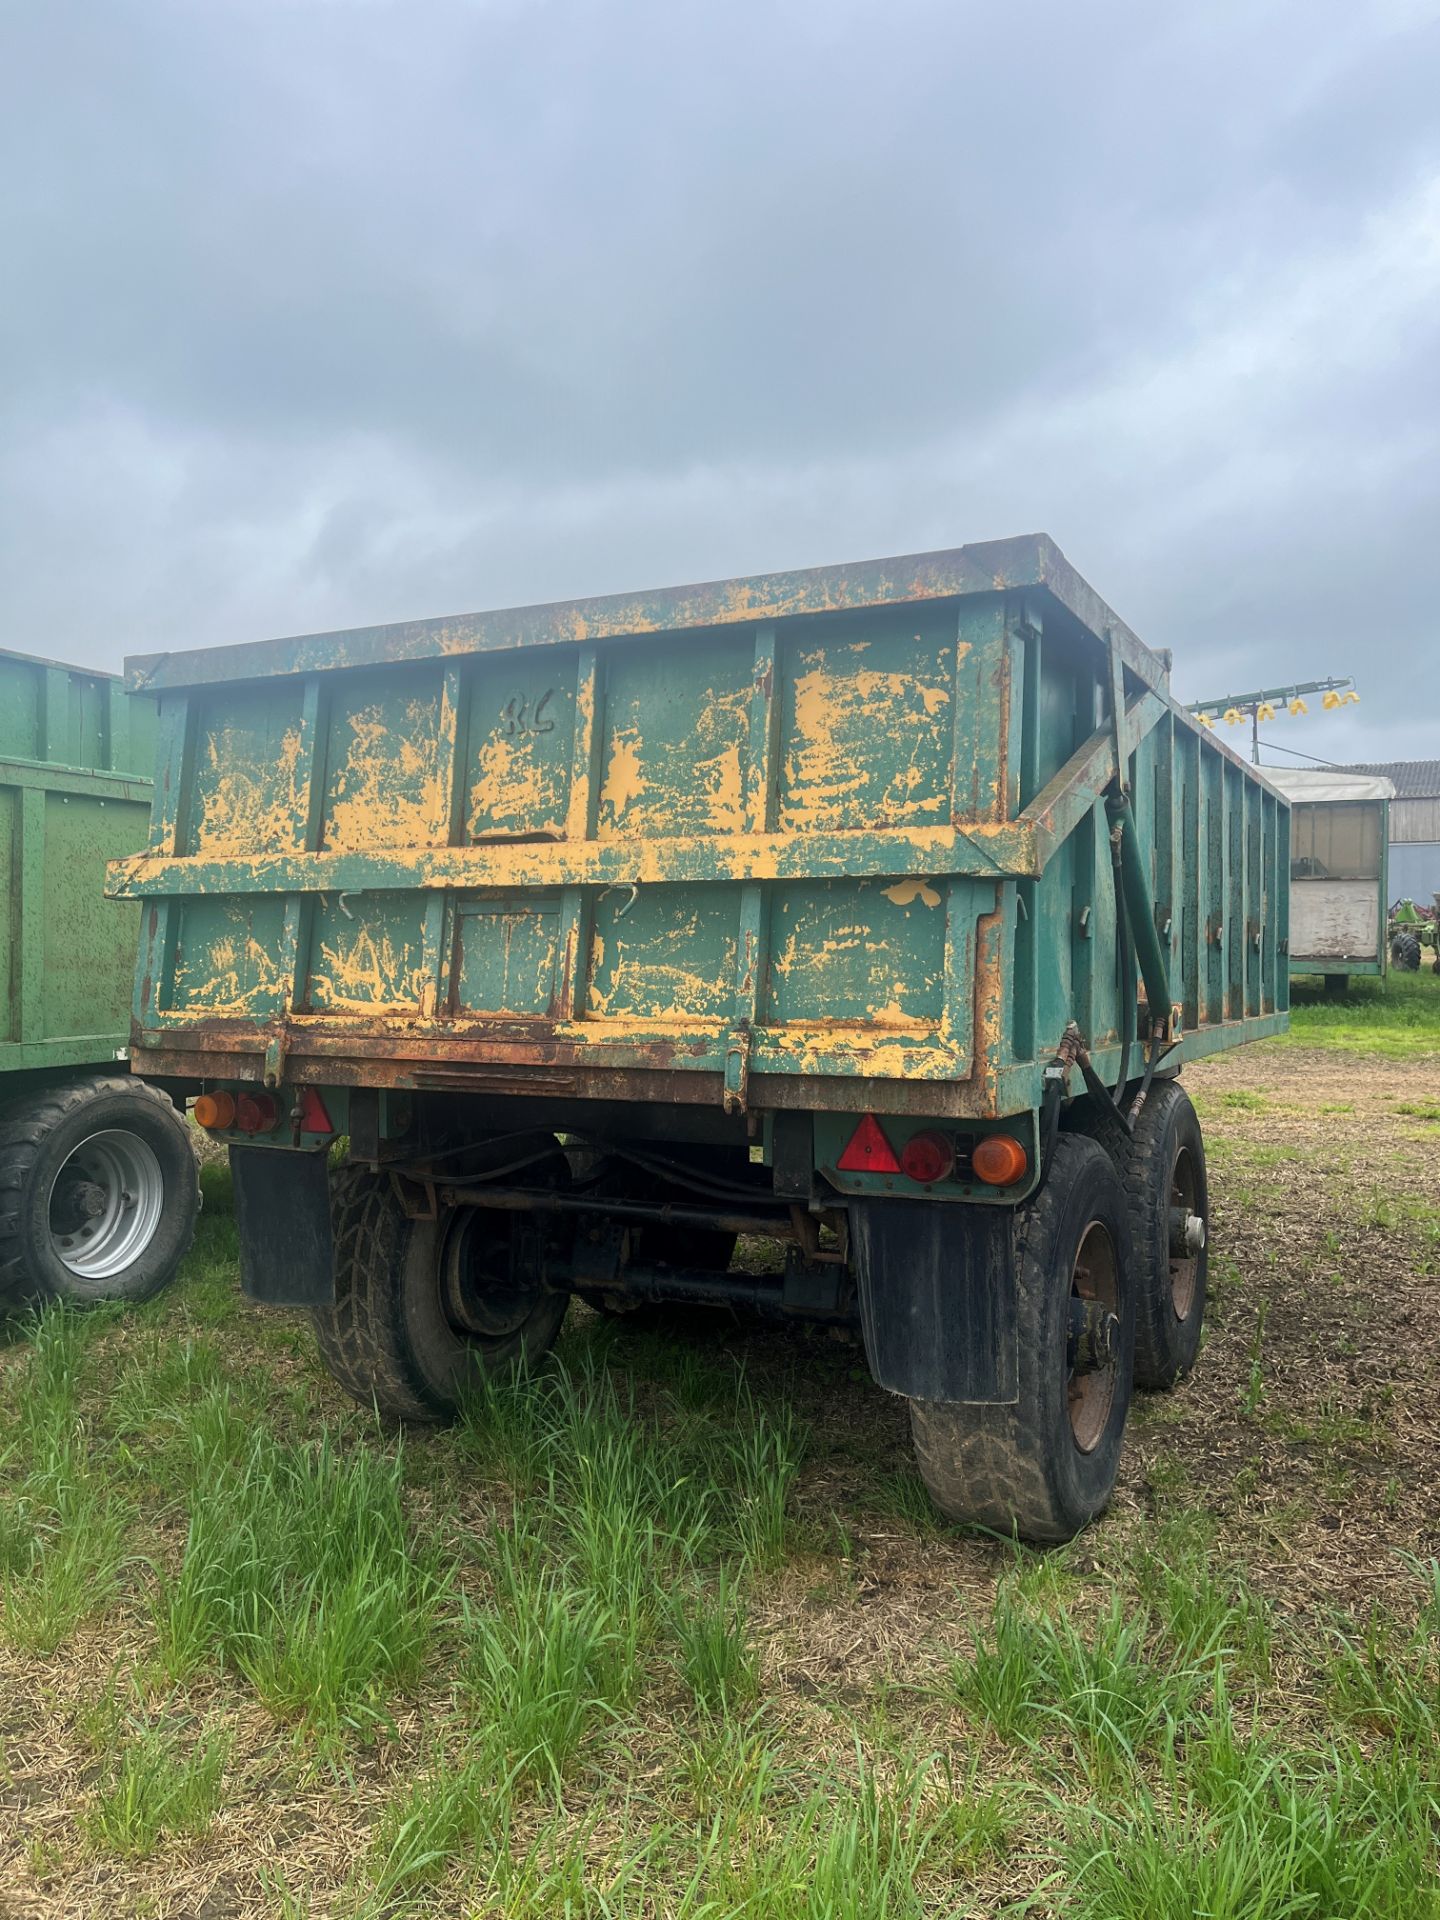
{"x":253,"y":1113}
{"x":257,"y":1113}
{"x":999,"y":1160}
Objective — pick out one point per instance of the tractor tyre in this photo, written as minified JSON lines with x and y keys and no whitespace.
{"x":99,"y":1193}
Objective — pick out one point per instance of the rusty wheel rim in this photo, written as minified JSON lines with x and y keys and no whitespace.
{"x":480,"y":1295}
{"x":1090,"y":1384}
{"x":1184,"y":1268}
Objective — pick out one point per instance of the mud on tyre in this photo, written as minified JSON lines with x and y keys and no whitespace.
{"x":1045,"y":1466}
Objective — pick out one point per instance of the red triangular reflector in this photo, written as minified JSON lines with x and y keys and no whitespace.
{"x":313,"y":1117}
{"x":868,"y":1150}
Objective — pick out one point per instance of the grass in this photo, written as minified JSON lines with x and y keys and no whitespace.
{"x":1396,"y":1018}
{"x":155,"y":1788}
{"x":299,"y":1573}
{"x":714,"y":1655}
{"x":1246,"y":1832}
{"x":1103,"y":1687}
{"x":668,"y":1626}
{"x":63,"y":1522}
{"x":542,"y":1672}
{"x":453,"y":1809}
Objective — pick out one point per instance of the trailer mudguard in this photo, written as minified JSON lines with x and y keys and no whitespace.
{"x":937,"y":1298}
{"x":282,"y":1211}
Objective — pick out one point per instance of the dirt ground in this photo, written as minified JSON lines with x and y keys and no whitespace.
{"x":1310,"y":1429}
{"x":1305,"y":1445}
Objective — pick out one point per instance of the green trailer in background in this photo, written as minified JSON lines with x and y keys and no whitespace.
{"x":1339,"y":849}
{"x":98,"y":1191}
{"x":873,"y":909}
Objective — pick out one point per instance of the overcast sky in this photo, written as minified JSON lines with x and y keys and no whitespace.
{"x":322,"y":312}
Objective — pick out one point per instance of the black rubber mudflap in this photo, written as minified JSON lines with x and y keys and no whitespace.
{"x":937,"y":1298}
{"x":282,"y":1209}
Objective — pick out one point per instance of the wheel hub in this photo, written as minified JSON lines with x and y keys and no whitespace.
{"x":1186,"y":1233}
{"x":1093,"y":1337}
{"x":486,"y":1288}
{"x":76,"y":1202}
{"x":106,"y":1204}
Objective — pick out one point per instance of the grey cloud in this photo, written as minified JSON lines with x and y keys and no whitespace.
{"x":326,"y":312}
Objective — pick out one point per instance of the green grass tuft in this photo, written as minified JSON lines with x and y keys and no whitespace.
{"x":152,"y":1789}
{"x":299,"y":1573}
{"x":714,"y":1655}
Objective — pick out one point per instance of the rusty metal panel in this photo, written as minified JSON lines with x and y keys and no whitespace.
{"x":842,"y":832}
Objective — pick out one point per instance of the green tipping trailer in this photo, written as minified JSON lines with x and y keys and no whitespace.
{"x":874,"y":908}
{"x":1339,"y":872}
{"x":97,"y":1173}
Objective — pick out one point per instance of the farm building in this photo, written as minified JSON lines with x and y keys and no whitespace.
{"x":1414,"y":826}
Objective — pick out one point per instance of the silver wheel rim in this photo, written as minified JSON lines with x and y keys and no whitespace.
{"x":131,"y":1198}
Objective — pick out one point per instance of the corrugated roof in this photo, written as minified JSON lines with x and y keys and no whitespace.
{"x":1412,"y":779}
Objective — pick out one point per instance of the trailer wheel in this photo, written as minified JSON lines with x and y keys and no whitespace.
{"x":1164,"y":1173}
{"x":1046,"y":1465}
{"x":99,"y":1192}
{"x":424,"y":1308}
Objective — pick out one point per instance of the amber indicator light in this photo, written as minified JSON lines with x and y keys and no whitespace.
{"x":214,"y":1110}
{"x":999,"y":1160}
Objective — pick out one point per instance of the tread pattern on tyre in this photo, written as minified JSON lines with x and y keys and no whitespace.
{"x":1137,"y":1157}
{"x":24,"y":1129}
{"x":358,"y":1335}
{"x":1155,"y":1364}
{"x":986,"y":1465}
{"x":1405,"y":951}
{"x":979,"y":1462}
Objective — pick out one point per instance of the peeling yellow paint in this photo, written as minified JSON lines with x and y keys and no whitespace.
{"x":238,"y":976}
{"x":389,"y":789}
{"x":892,"y":1014}
{"x":517,"y":788}
{"x":577,"y":815}
{"x":721,"y":775}
{"x":681,"y":857}
{"x":368,"y":973}
{"x":840,"y":712}
{"x":245,"y":808}
{"x":625,"y":780}
{"x":906,"y":892}
{"x":651,"y":787}
{"x":649,"y":986}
